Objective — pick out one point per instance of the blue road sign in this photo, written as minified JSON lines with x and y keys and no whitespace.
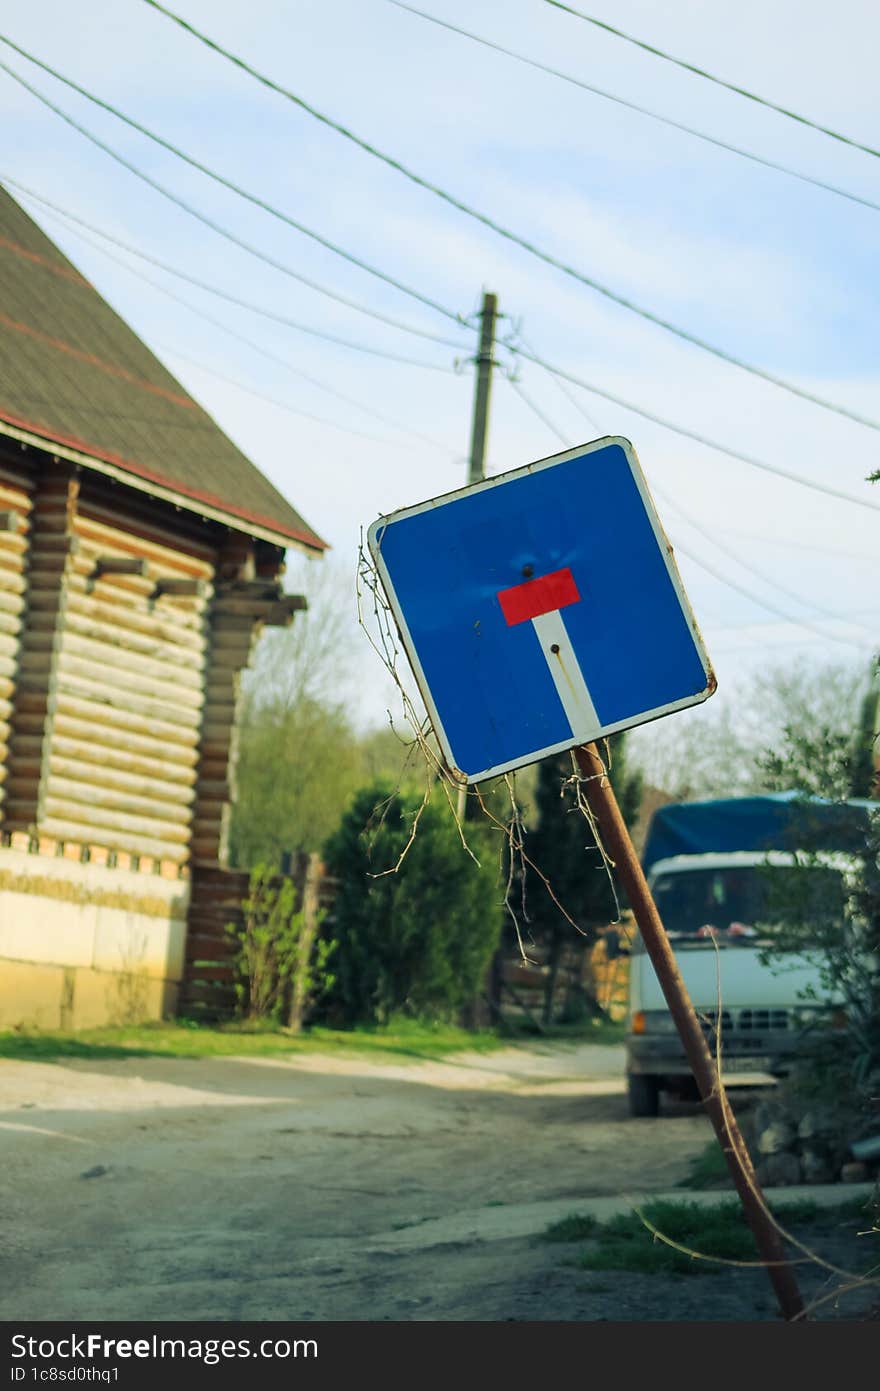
{"x":540,"y":609}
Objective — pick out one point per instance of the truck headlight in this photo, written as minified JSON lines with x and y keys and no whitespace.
{"x":805,"y":1015}
{"x":653,"y":1021}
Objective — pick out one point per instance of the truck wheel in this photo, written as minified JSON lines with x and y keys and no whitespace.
{"x":644,"y":1094}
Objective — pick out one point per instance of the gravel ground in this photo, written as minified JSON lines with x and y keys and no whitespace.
{"x":322,"y":1188}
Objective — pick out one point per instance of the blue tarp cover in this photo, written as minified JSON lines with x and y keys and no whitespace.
{"x":776,"y":821}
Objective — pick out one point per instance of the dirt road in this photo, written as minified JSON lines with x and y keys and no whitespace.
{"x":318,"y":1187}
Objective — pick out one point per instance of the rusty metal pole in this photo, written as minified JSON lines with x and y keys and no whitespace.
{"x":616,"y":842}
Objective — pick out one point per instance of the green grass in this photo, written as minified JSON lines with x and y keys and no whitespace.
{"x":855,"y":1209}
{"x":573,"y":1228}
{"x":593,"y":1031}
{"x":587,"y":1031}
{"x":184,"y":1039}
{"x":625,"y":1242}
{"x":401,"y":1038}
{"x":708,"y":1168}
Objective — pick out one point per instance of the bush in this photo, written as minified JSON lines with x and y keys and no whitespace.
{"x":418,"y":940}
{"x":276,"y":950}
{"x":563,"y":853}
{"x":810,"y":909}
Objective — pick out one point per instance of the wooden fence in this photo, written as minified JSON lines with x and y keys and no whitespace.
{"x":553,"y":988}
{"x":208,"y":987}
{"x":536,"y":993}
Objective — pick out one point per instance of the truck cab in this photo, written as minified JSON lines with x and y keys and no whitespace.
{"x":757,"y":1013}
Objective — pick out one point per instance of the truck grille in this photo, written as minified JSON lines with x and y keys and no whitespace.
{"x":766,"y":1019}
{"x":745,"y":1022}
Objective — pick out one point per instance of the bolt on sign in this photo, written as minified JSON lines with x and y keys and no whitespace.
{"x":541,"y":609}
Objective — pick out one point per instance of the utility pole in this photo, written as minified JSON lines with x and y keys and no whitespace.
{"x":482,"y":388}
{"x":484,"y":362}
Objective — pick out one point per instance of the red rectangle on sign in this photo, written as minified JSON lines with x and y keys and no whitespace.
{"x":541,"y":595}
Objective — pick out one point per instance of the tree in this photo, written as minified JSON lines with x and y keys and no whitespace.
{"x":297,"y":768}
{"x":835,"y":760}
{"x":863,"y":994}
{"x":389,"y":756}
{"x":563,"y":849}
{"x":299,"y":760}
{"x":863,"y":773}
{"x":412,"y":935}
{"x":756,"y":740}
{"x":825,"y":746}
{"x":276,"y":954}
{"x":301,"y":755}
{"x":698,"y":753}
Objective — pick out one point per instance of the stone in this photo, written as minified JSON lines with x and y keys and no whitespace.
{"x":779,"y":1170}
{"x":818,"y":1122}
{"x":766,"y":1113}
{"x":866,"y":1149}
{"x":854,"y":1172}
{"x":816,"y":1167}
{"x":776,"y":1137}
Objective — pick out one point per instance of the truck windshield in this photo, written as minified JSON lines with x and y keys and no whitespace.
{"x":733,"y":904}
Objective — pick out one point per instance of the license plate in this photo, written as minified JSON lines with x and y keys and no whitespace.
{"x":745,"y":1064}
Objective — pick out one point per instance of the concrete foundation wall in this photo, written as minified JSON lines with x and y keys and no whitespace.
{"x":82,"y":945}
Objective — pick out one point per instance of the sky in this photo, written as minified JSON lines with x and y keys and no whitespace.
{"x":765,"y":266}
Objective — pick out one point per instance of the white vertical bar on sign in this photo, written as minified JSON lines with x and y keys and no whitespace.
{"x":567,"y":676}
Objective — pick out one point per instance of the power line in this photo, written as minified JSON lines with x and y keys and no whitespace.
{"x":790,"y":543}
{"x":216,"y":289}
{"x":218,"y":227}
{"x":514,"y":237}
{"x":557,"y":381}
{"x":693,"y":434}
{"x":273,"y":400}
{"x":272,"y":357}
{"x":710,"y":77}
{"x":221,"y":179}
{"x":771,"y":623}
{"x":168,"y":423}
{"x":642,"y":110}
{"x":749,"y":536}
{"x":726,"y":652}
{"x":265,"y":352}
{"x":766,"y":604}
{"x":729,"y":551}
{"x":536,"y":410}
{"x":770,"y":607}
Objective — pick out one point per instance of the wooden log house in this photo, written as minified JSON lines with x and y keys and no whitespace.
{"x":140,"y":555}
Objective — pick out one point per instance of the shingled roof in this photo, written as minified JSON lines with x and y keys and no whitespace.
{"x":73,"y":374}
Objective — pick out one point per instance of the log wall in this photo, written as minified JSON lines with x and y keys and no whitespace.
{"x":108,"y":708}
{"x":208,"y":987}
{"x":209,"y":980}
{"x":247,"y":597}
{"x":16,"y":490}
{"x":232,"y":642}
{"x":125,"y":623}
{"x":50,"y":554}
{"x":124,"y":627}
{"x":130,"y":671}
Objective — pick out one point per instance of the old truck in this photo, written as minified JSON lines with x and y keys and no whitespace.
{"x":713,"y":868}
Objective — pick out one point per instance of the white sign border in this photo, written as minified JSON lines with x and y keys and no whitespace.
{"x":374,"y":543}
